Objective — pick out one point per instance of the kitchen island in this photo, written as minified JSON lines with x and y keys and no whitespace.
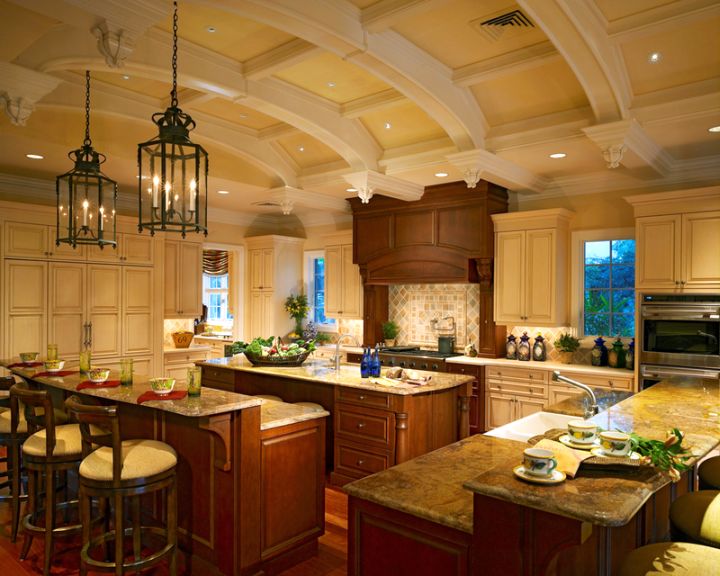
{"x":461,"y":510}
{"x":374,"y":423}
{"x":250,"y":472}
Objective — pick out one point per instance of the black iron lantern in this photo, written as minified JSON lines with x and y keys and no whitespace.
{"x":172,"y":180}
{"x":85,"y":196}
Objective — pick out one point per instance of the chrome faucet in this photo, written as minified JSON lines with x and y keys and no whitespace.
{"x":337,"y":348}
{"x":584,"y":387}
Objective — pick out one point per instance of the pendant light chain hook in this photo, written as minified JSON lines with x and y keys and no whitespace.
{"x":87,"y":141}
{"x":173,"y":94}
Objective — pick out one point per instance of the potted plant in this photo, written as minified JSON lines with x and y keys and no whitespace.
{"x":297,"y":307}
{"x":566,"y":344}
{"x":390,"y":331}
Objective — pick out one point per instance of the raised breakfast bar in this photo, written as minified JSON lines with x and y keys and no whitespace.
{"x":461,"y":510}
{"x":250,"y":471}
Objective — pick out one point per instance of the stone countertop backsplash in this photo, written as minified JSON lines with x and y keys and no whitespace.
{"x":547,"y":365}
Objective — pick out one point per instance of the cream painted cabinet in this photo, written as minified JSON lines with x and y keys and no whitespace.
{"x":531,"y":250}
{"x":138,"y":311}
{"x":134,"y":249}
{"x":512,"y":392}
{"x":183,"y":279}
{"x":274,"y":271}
{"x":177,"y":362}
{"x":25,"y":307}
{"x":343,"y":286}
{"x":37,"y":241}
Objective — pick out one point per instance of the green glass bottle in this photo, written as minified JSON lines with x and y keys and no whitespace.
{"x":616,"y":354}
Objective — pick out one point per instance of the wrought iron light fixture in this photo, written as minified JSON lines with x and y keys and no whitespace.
{"x":172,"y":180}
{"x":85,"y":196}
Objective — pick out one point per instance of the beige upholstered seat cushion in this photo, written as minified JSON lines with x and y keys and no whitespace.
{"x":676,"y":558}
{"x":68,"y":442}
{"x":269,"y":397}
{"x":709,"y":473}
{"x":141,"y":458}
{"x":312,"y":405}
{"x":5,"y":425}
{"x":697,"y":515}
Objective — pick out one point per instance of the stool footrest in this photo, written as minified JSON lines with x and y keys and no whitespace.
{"x":142,"y":563}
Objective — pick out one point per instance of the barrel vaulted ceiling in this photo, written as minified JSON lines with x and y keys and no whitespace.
{"x":299,"y":101}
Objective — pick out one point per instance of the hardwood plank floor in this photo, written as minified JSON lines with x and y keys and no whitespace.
{"x":331,"y":559}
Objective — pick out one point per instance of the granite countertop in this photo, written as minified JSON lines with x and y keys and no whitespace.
{"x":439,"y":486}
{"x":321,"y":371}
{"x":274,"y":414}
{"x":191,"y":348}
{"x":578,"y":404}
{"x":548,"y":365}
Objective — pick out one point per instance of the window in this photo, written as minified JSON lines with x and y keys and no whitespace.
{"x":315,"y":281}
{"x":608,"y":304}
{"x":215,"y":297}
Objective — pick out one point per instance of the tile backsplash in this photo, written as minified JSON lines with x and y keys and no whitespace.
{"x":175,"y":325}
{"x":414,"y":306}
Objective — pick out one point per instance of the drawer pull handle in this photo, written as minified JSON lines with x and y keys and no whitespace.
{"x":360,"y":462}
{"x":530,"y":376}
{"x":361,"y":397}
{"x":361,"y":425}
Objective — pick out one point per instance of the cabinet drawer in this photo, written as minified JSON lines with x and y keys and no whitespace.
{"x":355,"y":461}
{"x":218,"y":375}
{"x":174,"y":358}
{"x":531,"y":389}
{"x":516,"y":373}
{"x":620,"y":382}
{"x":467,"y":369}
{"x":366,"y":426}
{"x":363,"y":397}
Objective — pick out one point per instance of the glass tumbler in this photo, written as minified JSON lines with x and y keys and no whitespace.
{"x":126,"y":371}
{"x":52,"y":352}
{"x":194,"y":381}
{"x":85,"y":360}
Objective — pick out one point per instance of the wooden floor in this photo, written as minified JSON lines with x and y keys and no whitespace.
{"x":331,"y":559}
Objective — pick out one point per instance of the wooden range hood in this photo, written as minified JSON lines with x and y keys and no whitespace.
{"x":445,"y":237}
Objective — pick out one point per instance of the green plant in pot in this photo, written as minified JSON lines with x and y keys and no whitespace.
{"x":297,"y":307}
{"x":566,"y":344}
{"x":390,"y":331}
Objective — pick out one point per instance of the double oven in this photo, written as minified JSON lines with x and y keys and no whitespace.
{"x":679,"y":336}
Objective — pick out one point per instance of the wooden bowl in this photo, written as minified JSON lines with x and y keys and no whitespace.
{"x":182,"y":339}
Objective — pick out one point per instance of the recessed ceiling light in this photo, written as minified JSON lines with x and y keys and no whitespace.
{"x":350,"y":189}
{"x":211,"y":29}
{"x":441,"y":174}
{"x":125,"y":77}
{"x":654,"y":57}
{"x":714,"y":129}
{"x":331,"y":84}
{"x":243,"y":115}
{"x":388,"y":125}
{"x":34,"y":156}
{"x":223,"y":192}
{"x":558,"y":155}
{"x":301,"y":148}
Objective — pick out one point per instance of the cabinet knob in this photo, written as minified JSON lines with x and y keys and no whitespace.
{"x":360,"y":462}
{"x":611,"y":383}
{"x":361,"y":397}
{"x":361,"y":425}
{"x":530,"y":376}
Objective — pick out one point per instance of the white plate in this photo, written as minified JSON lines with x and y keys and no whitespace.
{"x":598,"y":451}
{"x":555,"y":478}
{"x":568,"y":441}
{"x":161,"y":392}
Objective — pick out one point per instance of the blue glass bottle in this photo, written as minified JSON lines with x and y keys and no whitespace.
{"x":375,"y":363}
{"x":523,"y":349}
{"x":630,"y":355}
{"x":599,"y":354}
{"x":365,"y":364}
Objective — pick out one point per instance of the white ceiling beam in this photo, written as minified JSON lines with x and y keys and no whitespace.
{"x":21,"y":88}
{"x":358,"y":107}
{"x":368,"y":183}
{"x":477,"y":165}
{"x":284,"y":56}
{"x":664,"y":18}
{"x":385,"y":13}
{"x":514,"y":62}
{"x":290,"y":197}
{"x":280,"y":130}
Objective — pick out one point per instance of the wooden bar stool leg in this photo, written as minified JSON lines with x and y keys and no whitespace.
{"x":172,"y":524}
{"x":119,"y":533}
{"x":49,"y":517}
{"x":32,"y":504}
{"x":85,"y":505}
{"x":136,"y":532}
{"x":14,"y":456}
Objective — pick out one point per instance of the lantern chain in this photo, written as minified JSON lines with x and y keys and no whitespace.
{"x":87,"y":141}
{"x":173,"y":94}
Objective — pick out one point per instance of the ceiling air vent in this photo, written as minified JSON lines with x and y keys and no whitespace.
{"x":497,"y":26}
{"x":266,"y":204}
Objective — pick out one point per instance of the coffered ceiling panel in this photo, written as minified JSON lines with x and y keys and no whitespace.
{"x":137,"y":84}
{"x":333,"y":78}
{"x":307,"y":151}
{"x":409,"y":124}
{"x":453,"y":33}
{"x":583,"y":157}
{"x":228,"y":166}
{"x":687,"y":137}
{"x":683,"y":59}
{"x":535,"y":92}
{"x":615,"y":9}
{"x":19,"y":28}
{"x":236,"y":113}
{"x":235,"y":37}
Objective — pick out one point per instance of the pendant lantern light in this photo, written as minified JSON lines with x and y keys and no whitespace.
{"x":172,"y":179}
{"x":85,"y":196}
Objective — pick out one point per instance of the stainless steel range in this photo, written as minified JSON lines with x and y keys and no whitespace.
{"x":416,"y":358}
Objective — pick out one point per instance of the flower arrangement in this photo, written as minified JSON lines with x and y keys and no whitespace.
{"x":669,"y":455}
{"x":297,"y":307}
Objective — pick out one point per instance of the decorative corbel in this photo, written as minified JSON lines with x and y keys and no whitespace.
{"x":115,"y":45}
{"x":471,"y":177}
{"x":613,"y":155}
{"x":286,"y":206}
{"x":17,"y":109}
{"x":365,"y":193}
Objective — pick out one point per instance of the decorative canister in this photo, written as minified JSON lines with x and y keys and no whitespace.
{"x":511,"y":348}
{"x":539,"y":352}
{"x":616,"y":355}
{"x":599,"y":354}
{"x":630,"y":355}
{"x":523,"y":349}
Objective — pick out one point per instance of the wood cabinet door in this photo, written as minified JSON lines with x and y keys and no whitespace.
{"x":268,"y":268}
{"x":540,"y":277}
{"x":509,"y":276}
{"x":25,"y":307}
{"x":333,"y":280}
{"x":499,"y":409}
{"x":67,"y":299}
{"x":171,"y":277}
{"x":26,"y":240}
{"x":137,"y":249}
{"x":701,"y":250}
{"x":137,"y":319}
{"x":526,"y":406}
{"x":261,"y":316}
{"x":65,"y":251}
{"x":190,"y":280}
{"x":561,"y":393}
{"x":351,"y":285}
{"x":107,"y":254}
{"x":104,"y":309}
{"x":658,"y":252}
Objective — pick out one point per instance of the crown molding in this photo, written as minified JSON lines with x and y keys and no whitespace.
{"x":659,"y":19}
{"x":358,"y":107}
{"x":283,"y":56}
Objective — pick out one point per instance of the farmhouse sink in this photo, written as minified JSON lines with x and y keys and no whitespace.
{"x":532,"y":425}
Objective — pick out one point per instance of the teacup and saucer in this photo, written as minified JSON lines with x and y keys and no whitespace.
{"x":539,"y":466}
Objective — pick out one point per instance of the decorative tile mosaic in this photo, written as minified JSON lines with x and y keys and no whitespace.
{"x":415,"y":306}
{"x":174,"y":325}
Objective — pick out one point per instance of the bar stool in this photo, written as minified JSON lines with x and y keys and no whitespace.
{"x":709,"y":474}
{"x":114,"y":471}
{"x":676,"y":558}
{"x":695,"y":517}
{"x":48,"y":450}
{"x":269,"y":397}
{"x":315,"y":406}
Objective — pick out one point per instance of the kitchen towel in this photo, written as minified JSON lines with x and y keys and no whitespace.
{"x":54,"y":374}
{"x":568,"y":460}
{"x":88,"y":384}
{"x":150,"y":395}
{"x":25,"y":365}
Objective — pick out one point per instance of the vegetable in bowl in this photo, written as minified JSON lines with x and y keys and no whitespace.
{"x":162,"y":385}
{"x":272,"y":351}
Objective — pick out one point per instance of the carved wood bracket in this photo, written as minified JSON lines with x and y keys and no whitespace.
{"x":220,"y":426}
